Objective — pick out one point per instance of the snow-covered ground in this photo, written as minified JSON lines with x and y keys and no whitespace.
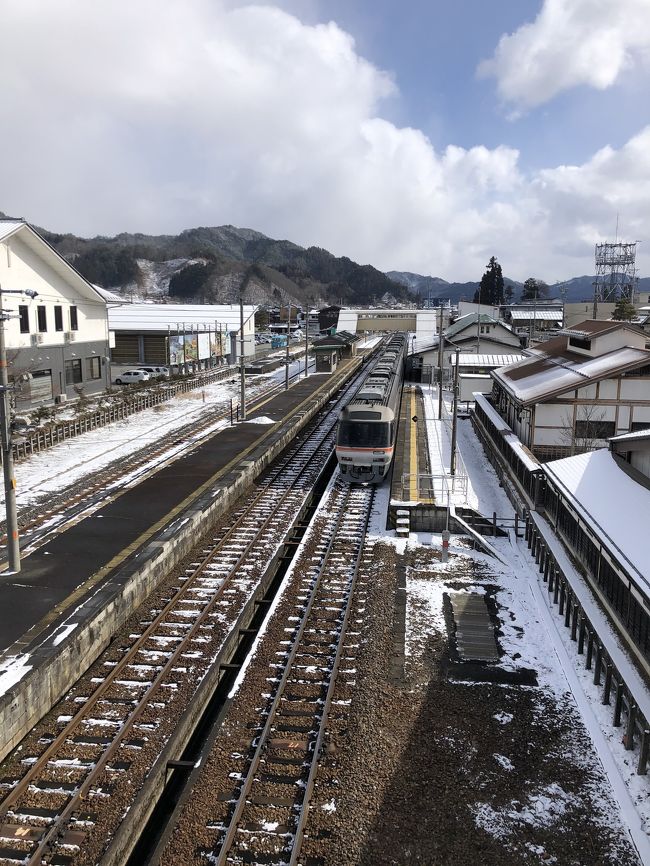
{"x":534,"y":636}
{"x":57,"y":468}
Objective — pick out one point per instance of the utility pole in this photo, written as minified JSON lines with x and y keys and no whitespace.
{"x":307,"y":341}
{"x":13,"y":545}
{"x":286,"y":361}
{"x":440,"y":360}
{"x":241,"y":360}
{"x":454,"y":423}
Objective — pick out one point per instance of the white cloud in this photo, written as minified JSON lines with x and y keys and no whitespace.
{"x":570,"y":43}
{"x":156,"y":117}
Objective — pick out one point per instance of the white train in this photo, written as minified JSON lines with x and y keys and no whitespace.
{"x":365,"y":440}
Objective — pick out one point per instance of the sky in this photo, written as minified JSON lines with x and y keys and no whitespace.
{"x":416,"y":136}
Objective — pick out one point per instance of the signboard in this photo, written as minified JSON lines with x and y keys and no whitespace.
{"x":191,"y":346}
{"x":218,"y":344}
{"x":176,"y":349}
{"x":204,"y":345}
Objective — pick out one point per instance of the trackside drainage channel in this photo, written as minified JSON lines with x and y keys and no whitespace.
{"x":161,"y":821}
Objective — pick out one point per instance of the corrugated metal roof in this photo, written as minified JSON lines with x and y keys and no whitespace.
{"x":464,"y":322}
{"x":540,"y":377}
{"x":467,"y":359}
{"x":161,"y":317}
{"x":538,"y":315}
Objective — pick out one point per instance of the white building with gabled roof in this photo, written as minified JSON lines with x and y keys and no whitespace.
{"x":57,"y":341}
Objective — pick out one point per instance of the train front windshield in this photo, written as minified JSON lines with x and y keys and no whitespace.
{"x":364,"y":434}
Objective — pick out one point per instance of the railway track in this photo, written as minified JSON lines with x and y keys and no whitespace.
{"x":67,"y":796}
{"x":263,"y":818}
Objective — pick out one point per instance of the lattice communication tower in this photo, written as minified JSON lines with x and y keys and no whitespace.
{"x":615,"y":272}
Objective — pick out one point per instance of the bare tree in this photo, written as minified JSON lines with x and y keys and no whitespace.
{"x":588,"y":431}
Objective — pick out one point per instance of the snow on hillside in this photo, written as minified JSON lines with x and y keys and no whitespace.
{"x":156,"y":275}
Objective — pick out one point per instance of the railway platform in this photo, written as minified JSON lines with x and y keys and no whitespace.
{"x":425,"y":495}
{"x":75,"y":590}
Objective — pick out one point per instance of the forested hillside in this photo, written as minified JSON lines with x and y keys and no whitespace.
{"x":218,"y":264}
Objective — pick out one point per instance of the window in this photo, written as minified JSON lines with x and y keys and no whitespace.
{"x":74,"y":323}
{"x":363,"y":434}
{"x":595,"y":429}
{"x":73,"y":372}
{"x":93,"y":368}
{"x":580,"y":342}
{"x":639,"y":425}
{"x":23,"y":313}
{"x":58,"y":318}
{"x":41,"y":316}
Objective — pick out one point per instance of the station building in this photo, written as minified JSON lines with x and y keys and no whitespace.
{"x":180,"y":336}
{"x":56,"y":330}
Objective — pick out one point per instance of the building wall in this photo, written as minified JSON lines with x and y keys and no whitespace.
{"x":39,"y":373}
{"x":548,"y":427}
{"x":21,"y":268}
{"x":399,"y":322}
{"x":484,"y":346}
{"x":579,"y":311}
{"x":641,"y":460}
{"x":466,"y":307}
{"x":469,"y":383}
{"x":44,"y":364}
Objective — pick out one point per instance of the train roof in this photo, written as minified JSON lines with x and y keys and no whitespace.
{"x":365,"y":411}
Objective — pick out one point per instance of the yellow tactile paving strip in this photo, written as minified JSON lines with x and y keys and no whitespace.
{"x":411,"y":456}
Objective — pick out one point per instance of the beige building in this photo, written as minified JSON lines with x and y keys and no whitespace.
{"x":578,"y":390}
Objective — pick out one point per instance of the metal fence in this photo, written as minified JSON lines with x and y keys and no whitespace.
{"x":123,"y":405}
{"x":626,"y":712}
{"x":440,"y":488}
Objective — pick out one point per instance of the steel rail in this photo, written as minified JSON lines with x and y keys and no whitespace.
{"x":228,"y":841}
{"x":322,"y":430}
{"x":313,"y":769}
{"x":72,"y":726}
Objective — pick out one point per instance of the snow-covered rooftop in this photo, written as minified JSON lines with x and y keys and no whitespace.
{"x":541,"y":377}
{"x":161,"y":317}
{"x":631,"y":437}
{"x":109,"y":297}
{"x":467,"y":320}
{"x":611,"y":503}
{"x":9,"y":226}
{"x":468,"y":359}
{"x":537,"y":314}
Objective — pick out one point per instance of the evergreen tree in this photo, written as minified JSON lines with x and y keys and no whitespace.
{"x":490,"y":290}
{"x":624,"y":310}
{"x":534,"y":289}
{"x":108,"y":267}
{"x":529,"y":291}
{"x":191,"y":280}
